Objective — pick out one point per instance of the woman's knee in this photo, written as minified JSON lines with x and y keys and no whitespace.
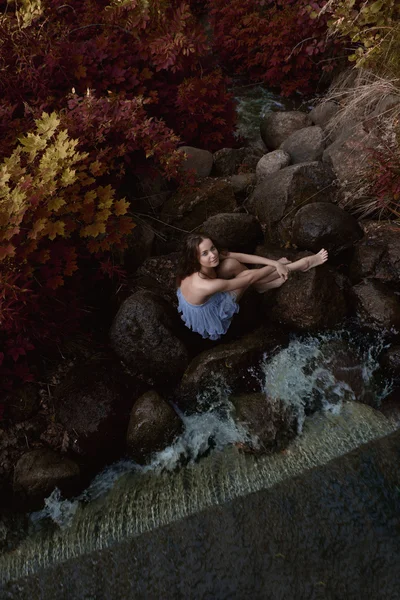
{"x":230,"y":267}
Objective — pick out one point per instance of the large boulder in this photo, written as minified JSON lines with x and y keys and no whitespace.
{"x":348,"y":154}
{"x":277,"y":198}
{"x":305,"y":145}
{"x":230,"y":161}
{"x":234,"y":231}
{"x":153,"y":426}
{"x":271,"y":420}
{"x":275,"y":127}
{"x":233,"y":365}
{"x":324,"y":225}
{"x":189,"y":208}
{"x":271,"y":163}
{"x":377,"y":305}
{"x":201,"y":161}
{"x":93,"y":404}
{"x":143,"y":337}
{"x":159,"y":273}
{"x":242,"y":184}
{"x":39,"y":471}
{"x":323,"y":113}
{"x":309,"y":301}
{"x":377,"y":255}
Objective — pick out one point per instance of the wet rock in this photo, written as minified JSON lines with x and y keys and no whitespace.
{"x":188,"y":209}
{"x":230,"y":161}
{"x":305,"y":145}
{"x":377,"y":255}
{"x":234,"y":231}
{"x":346,"y":374}
{"x":275,"y":127}
{"x":142,"y":335}
{"x":93,"y":405}
{"x":390,"y":361}
{"x":153,"y":426}
{"x":234,"y":365}
{"x":22,"y":403}
{"x":271,"y":163}
{"x":323,"y":113}
{"x":308,"y":301}
{"x":391,"y":406}
{"x":39,"y":471}
{"x":201,"y":161}
{"x":324,"y":225}
{"x":347,"y":156}
{"x":273,"y":422}
{"x":242,"y":184}
{"x":277,"y":198}
{"x":377,"y":305}
{"x":139,"y":245}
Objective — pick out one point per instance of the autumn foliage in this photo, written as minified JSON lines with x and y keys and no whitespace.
{"x":277,"y":42}
{"x":91,"y":91}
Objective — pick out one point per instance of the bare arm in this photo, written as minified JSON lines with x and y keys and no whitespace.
{"x":245,"y":279}
{"x":250,"y":259}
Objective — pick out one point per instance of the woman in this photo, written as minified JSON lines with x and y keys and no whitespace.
{"x":210,"y":284}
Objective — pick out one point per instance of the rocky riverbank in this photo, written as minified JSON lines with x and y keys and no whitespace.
{"x":281,"y":196}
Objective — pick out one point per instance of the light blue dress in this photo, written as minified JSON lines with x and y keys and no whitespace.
{"x":211,"y":319}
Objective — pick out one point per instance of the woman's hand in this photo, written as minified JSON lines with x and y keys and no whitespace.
{"x":282,"y":270}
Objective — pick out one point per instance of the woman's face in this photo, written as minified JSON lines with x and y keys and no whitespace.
{"x":208,"y":254}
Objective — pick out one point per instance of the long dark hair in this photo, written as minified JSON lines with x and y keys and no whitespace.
{"x":189,"y":258}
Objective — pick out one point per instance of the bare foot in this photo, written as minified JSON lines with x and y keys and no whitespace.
{"x":317,"y":259}
{"x":284,"y":261}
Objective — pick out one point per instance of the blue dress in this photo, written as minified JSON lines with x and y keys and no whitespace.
{"x":211,"y":319}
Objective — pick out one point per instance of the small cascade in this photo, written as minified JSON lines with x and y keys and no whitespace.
{"x":140,"y":502}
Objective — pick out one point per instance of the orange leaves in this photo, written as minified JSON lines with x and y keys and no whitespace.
{"x":7,"y":251}
{"x":121,"y":207}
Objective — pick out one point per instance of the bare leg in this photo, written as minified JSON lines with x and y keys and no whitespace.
{"x":309,"y":262}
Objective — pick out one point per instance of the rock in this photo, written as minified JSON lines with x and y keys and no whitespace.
{"x":22,"y":403}
{"x":159,"y":273}
{"x":305,"y":145}
{"x":188,"y":209}
{"x":377,"y":255}
{"x":201,"y":161}
{"x":230,"y":161}
{"x":271,"y":163}
{"x":142,"y":335}
{"x":234,"y":231}
{"x":39,"y":471}
{"x":347,"y":156}
{"x":377,"y":305}
{"x":242,"y":184}
{"x":384,"y":105}
{"x":341,"y":374}
{"x":93,"y":405}
{"x":391,"y":406}
{"x":147,"y":192}
{"x":390,"y":361}
{"x":324,"y":225}
{"x":270,"y":419}
{"x":233,"y":365}
{"x":277,"y":198}
{"x":323,"y":113}
{"x":139,"y":245}
{"x":308,"y":301}
{"x":275,"y":127}
{"x":153,"y":426}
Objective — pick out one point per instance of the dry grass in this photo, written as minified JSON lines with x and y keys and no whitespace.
{"x":373,"y":101}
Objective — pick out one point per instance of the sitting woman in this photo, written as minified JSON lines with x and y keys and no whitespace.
{"x":210,"y":284}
